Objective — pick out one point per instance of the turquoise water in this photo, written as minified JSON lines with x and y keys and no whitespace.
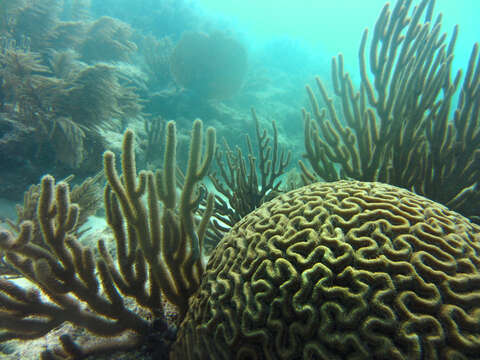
{"x":331,"y":27}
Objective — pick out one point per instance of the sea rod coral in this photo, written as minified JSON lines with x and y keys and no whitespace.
{"x":399,"y":127}
{"x":157,"y":252}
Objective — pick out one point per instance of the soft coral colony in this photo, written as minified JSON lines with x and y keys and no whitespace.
{"x":337,"y":270}
{"x":156,"y":254}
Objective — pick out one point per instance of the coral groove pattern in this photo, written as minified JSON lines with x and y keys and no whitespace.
{"x":342,"y":270}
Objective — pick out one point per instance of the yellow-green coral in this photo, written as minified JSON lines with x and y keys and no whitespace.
{"x":158,"y":251}
{"x":397,"y":126}
{"x":342,"y":270}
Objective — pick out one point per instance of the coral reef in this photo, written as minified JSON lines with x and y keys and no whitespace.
{"x":349,"y":269}
{"x":194,"y":68}
{"x":341,"y":270}
{"x":107,"y":39}
{"x":64,"y":113}
{"x":86,"y":195}
{"x":170,"y":244}
{"x":157,"y":252}
{"x":154,"y":128}
{"x":92,"y":96}
{"x":50,"y":99}
{"x":36,"y":20}
{"x":245,"y":182}
{"x":397,"y":127}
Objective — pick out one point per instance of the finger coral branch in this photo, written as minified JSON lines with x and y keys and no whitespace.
{"x":65,"y":287}
{"x":169,"y":243}
{"x":248,"y":181}
{"x":396,"y":127}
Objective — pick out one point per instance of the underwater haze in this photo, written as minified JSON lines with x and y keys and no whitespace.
{"x":239,"y":179}
{"x":332,"y":27}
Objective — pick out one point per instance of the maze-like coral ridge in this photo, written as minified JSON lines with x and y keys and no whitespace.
{"x":343,"y":270}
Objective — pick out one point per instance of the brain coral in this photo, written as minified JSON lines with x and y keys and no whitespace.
{"x":343,"y":270}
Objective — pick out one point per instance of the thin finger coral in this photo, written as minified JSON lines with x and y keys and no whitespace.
{"x":158,"y":255}
{"x":398,"y":126}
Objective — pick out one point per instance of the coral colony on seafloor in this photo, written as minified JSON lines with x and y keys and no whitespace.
{"x":371,"y":250}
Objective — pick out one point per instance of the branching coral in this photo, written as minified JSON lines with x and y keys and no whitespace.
{"x":92,"y":96}
{"x":65,"y":273}
{"x":246,"y":183}
{"x":62,"y":102}
{"x":157,"y":252}
{"x":171,"y":244}
{"x":154,"y":128}
{"x":86,"y":195}
{"x":22,"y":72}
{"x":63,"y":110}
{"x":64,"y":64}
{"x":455,"y":148}
{"x":107,"y":39}
{"x":30,"y":95}
{"x":396,"y":128}
{"x":36,"y":20}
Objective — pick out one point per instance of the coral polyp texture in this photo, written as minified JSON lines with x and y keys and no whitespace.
{"x":342,"y":270}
